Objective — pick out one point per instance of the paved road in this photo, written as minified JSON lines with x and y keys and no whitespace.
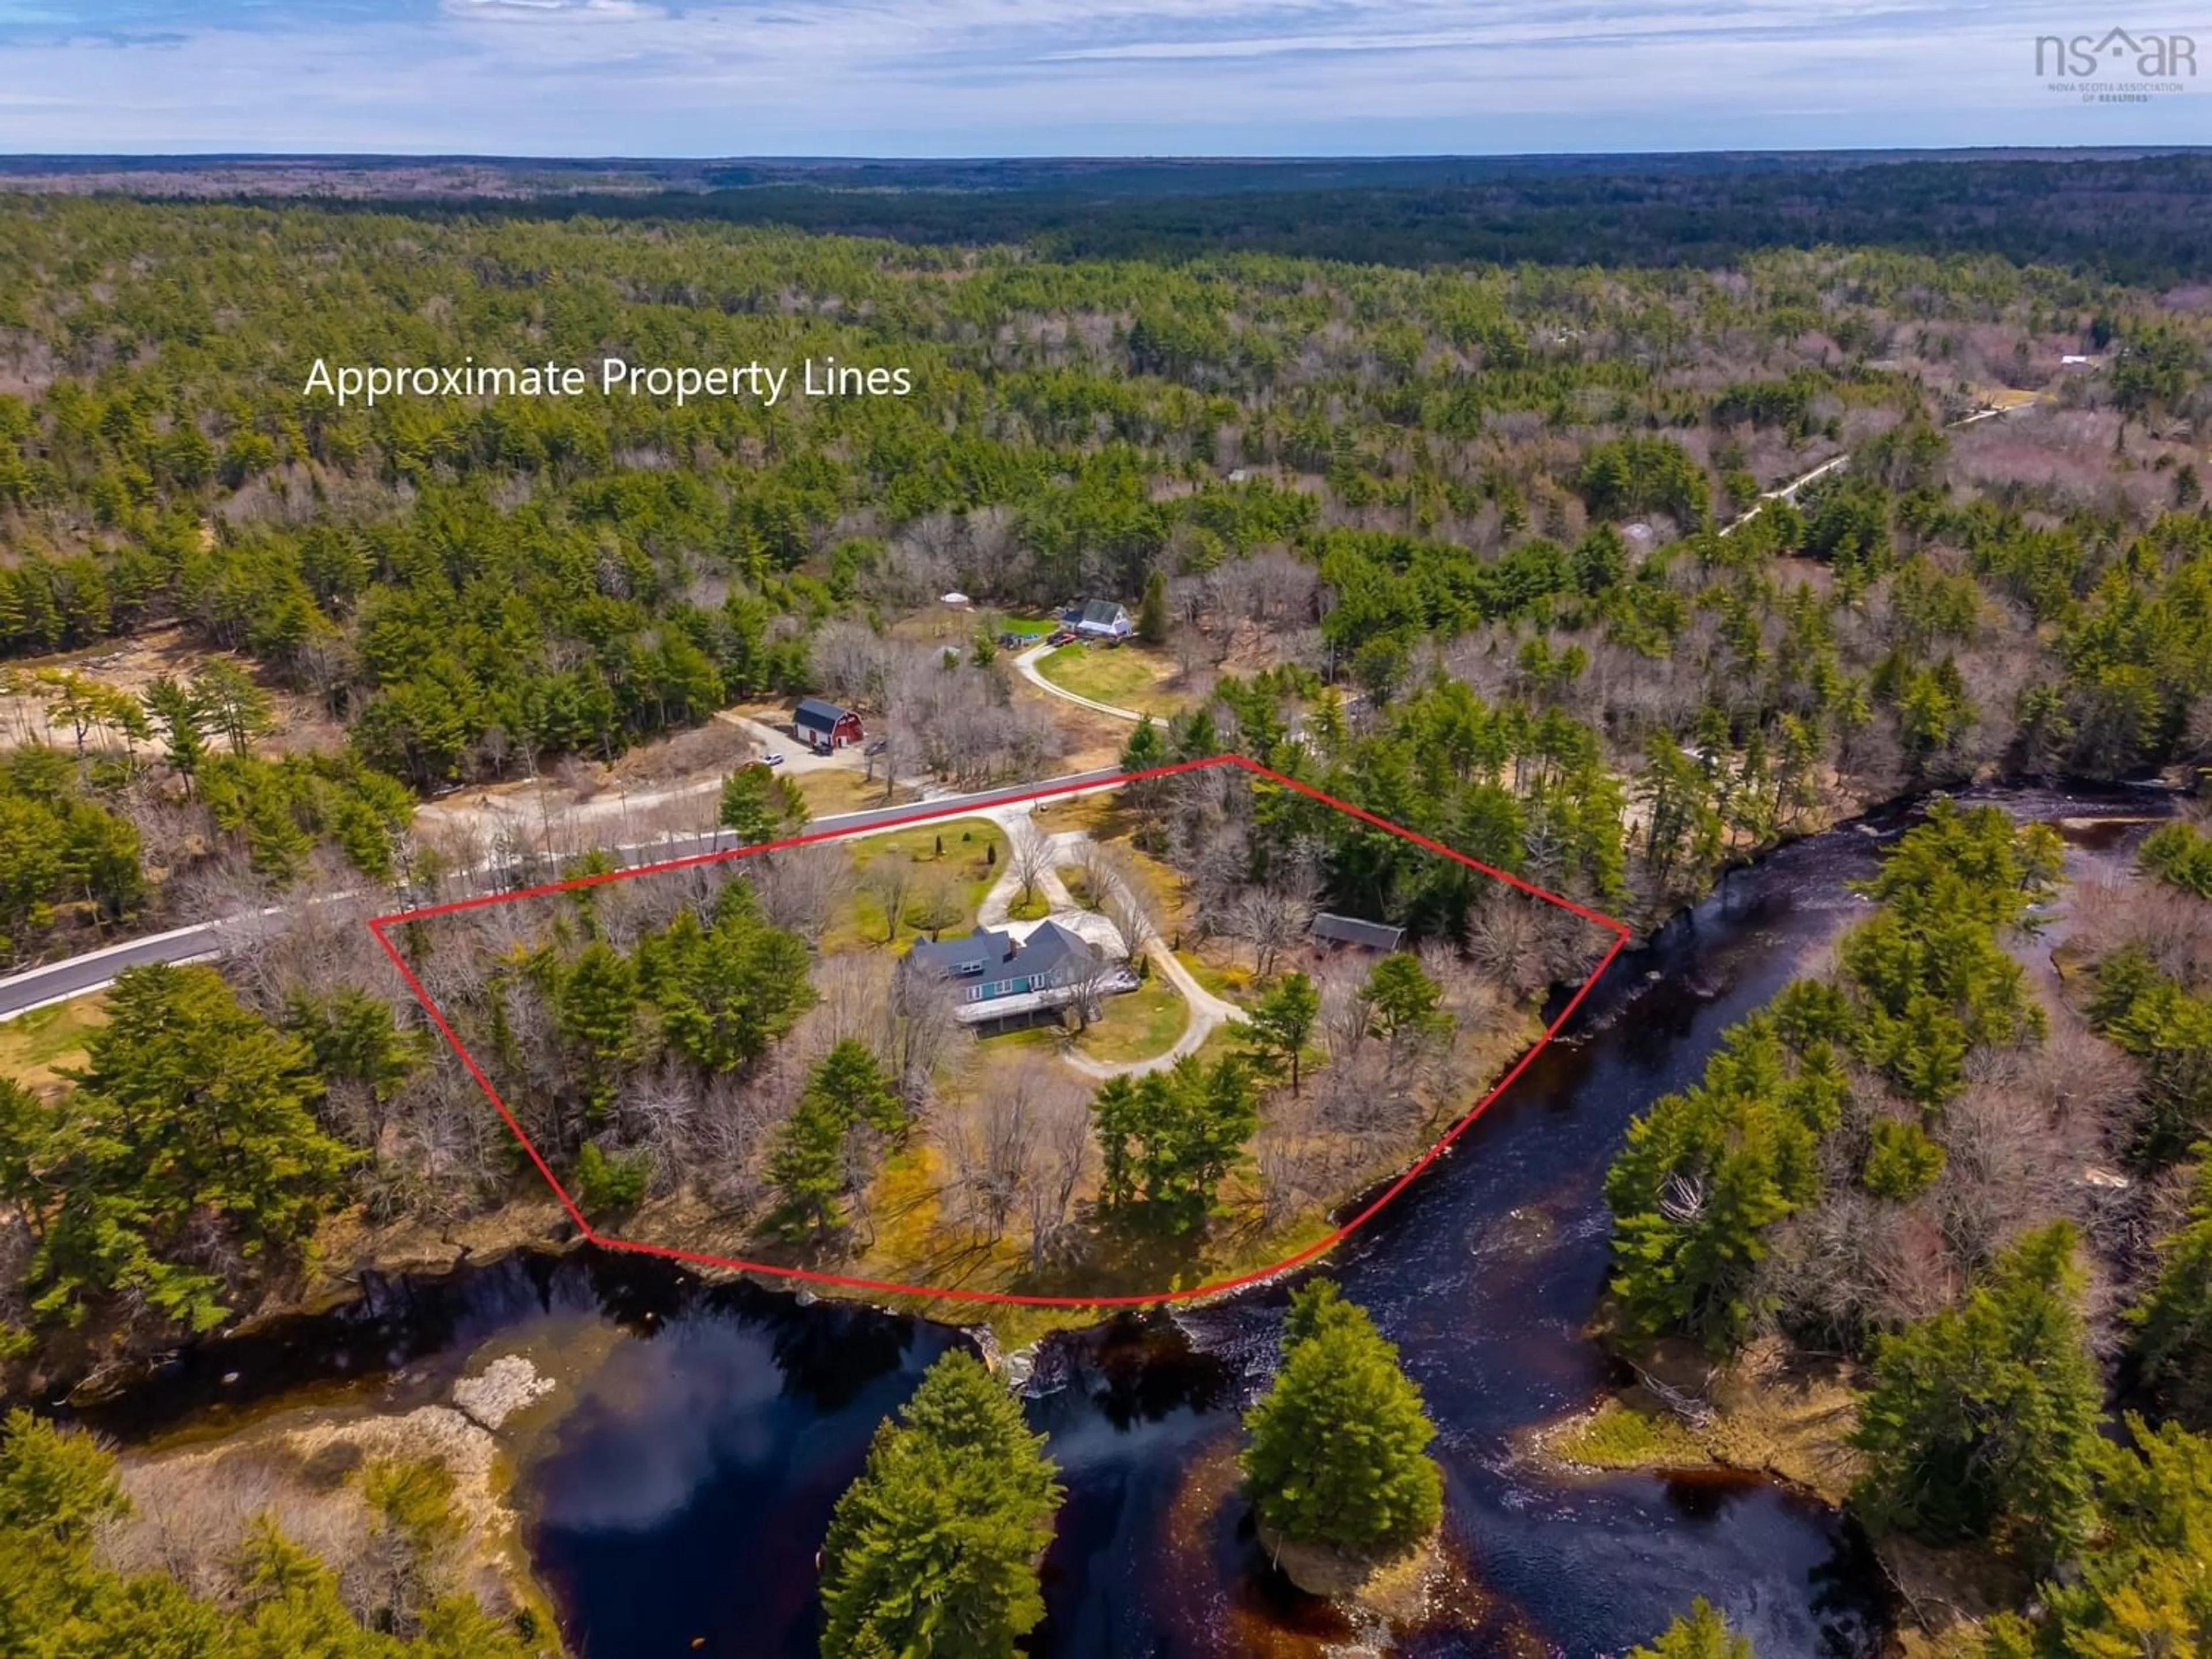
{"x":95,"y":969}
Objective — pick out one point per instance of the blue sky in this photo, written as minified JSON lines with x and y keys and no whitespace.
{"x":1031,"y":77}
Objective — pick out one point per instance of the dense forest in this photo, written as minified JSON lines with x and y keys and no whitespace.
{"x":1606,"y":574}
{"x":1542,"y":483}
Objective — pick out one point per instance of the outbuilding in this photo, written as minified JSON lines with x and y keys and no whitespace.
{"x":824,"y":727}
{"x":1330,"y":930}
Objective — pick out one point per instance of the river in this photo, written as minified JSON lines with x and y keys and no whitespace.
{"x":676,"y":1499}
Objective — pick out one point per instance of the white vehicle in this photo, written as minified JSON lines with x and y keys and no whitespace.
{"x":772,"y":760}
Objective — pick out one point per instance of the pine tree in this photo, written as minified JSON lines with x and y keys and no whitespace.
{"x":1147,"y":747}
{"x":812,"y":1154}
{"x":1339,"y":1452}
{"x":1280,"y":1024}
{"x":1700,"y":1633}
{"x":1170,"y":1137}
{"x":226,"y":700}
{"x":596,"y":1009}
{"x":1402,"y":998}
{"x":2144,"y":1589}
{"x":1153,"y":619}
{"x":761,"y":804}
{"x":171,"y":704}
{"x":192,"y":1114}
{"x":932,"y":1552}
{"x":2174,"y":1321}
{"x":725,"y":994}
{"x":1982,"y":1419}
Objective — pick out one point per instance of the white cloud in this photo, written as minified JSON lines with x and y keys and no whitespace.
{"x":1042,"y":76}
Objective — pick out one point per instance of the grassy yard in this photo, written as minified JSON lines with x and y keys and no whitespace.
{"x":833,"y":790}
{"x":974,"y":849}
{"x":1128,"y":677}
{"x":1213,"y":967}
{"x":1136,"y":1025}
{"x":35,"y":1047}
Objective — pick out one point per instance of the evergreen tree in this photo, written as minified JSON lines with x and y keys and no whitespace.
{"x":1277,"y":1031}
{"x":1700,"y":1633}
{"x":760,"y":804}
{"x":225,"y":699}
{"x":192,"y":1115}
{"x":932,"y":1552}
{"x":1147,"y":747}
{"x":725,"y":994}
{"x":812,"y":1159}
{"x":2174,"y":1323}
{"x":1981,"y":1420}
{"x":1707,"y":1171}
{"x":2179,"y":855}
{"x":595,"y":1008}
{"x":1168,"y":1138}
{"x":2144,"y":1591}
{"x":1153,"y":619}
{"x":1401,"y":997}
{"x":1339,"y":1454}
{"x":58,"y":1601}
{"x":180,"y":716}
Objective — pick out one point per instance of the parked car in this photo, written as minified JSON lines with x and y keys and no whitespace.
{"x":1063,"y":637}
{"x":772,"y":758}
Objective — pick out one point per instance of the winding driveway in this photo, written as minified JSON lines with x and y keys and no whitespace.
{"x":1207,"y":1011}
{"x":1026,"y":666}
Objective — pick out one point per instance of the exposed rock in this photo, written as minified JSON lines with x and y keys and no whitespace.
{"x":501,"y":1390}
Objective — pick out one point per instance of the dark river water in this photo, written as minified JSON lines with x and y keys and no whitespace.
{"x":676,"y":1504}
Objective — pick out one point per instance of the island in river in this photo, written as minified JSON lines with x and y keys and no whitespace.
{"x":675,"y":1482}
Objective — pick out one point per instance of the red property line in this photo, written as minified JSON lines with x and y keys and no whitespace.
{"x":377,"y":925}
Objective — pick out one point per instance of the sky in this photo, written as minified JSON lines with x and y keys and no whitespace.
{"x":1042,"y":77}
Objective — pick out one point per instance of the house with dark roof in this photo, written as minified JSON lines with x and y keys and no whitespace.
{"x":991,"y":963}
{"x":1099,"y":619}
{"x":1331,"y":931}
{"x":823,"y":727}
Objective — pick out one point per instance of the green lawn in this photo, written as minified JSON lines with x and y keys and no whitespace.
{"x":1128,"y":676}
{"x":1136,"y":1025}
{"x":974,"y":848}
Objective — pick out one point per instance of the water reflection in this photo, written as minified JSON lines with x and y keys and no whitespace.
{"x":678,"y":1496}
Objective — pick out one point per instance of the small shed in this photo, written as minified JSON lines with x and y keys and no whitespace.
{"x":1331,"y":930}
{"x":823,"y":727}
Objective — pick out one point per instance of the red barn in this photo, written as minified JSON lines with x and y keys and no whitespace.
{"x":823,"y":727}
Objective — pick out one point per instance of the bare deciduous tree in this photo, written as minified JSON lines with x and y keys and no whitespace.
{"x":1131,"y":917}
{"x":799,"y":887}
{"x":1270,"y":919}
{"x":1090,"y":973}
{"x":1059,"y":1154}
{"x":1029,"y":855}
{"x":889,"y":880}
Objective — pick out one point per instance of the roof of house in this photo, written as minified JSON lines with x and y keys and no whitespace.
{"x":813,"y":715}
{"x":1351,"y":930}
{"x":1103,"y":612}
{"x":1048,"y":945}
